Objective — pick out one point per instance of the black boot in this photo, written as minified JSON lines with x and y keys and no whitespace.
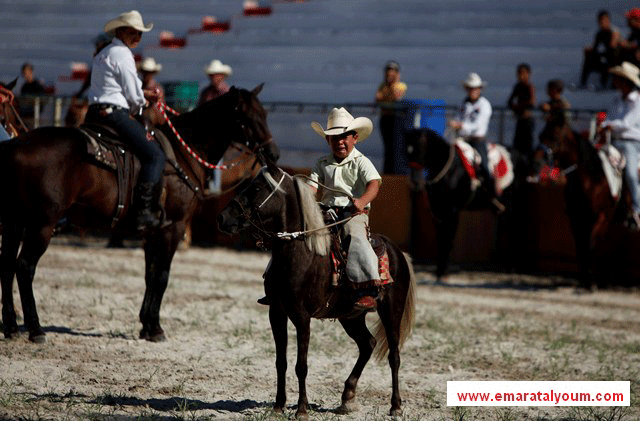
{"x":146,"y":219}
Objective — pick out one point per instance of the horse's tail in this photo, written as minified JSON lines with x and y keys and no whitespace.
{"x":406,"y":323}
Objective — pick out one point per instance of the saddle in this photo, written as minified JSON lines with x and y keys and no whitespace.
{"x":106,"y":150}
{"x":339,"y":254}
{"x":500,"y":163}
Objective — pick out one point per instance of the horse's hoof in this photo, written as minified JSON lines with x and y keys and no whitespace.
{"x":395,"y":412}
{"x":348,"y":407}
{"x":11,"y":334}
{"x":302,"y":416}
{"x":37,"y":337}
{"x":157,"y":336}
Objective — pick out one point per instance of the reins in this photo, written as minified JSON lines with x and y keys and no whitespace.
{"x":163,"y":108}
{"x":444,"y":169}
{"x":288,"y":235}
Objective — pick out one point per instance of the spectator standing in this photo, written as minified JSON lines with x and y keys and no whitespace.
{"x":630,"y":48}
{"x":522,"y":101}
{"x":602,"y":54}
{"x":556,"y":103}
{"x":623,"y":122}
{"x":390,"y":91}
{"x":218,"y":73}
{"x":31,"y":87}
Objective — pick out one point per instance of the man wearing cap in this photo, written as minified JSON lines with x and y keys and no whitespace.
{"x":623,"y":122}
{"x":472,"y":122}
{"x":390,"y":91}
{"x":352,"y":183}
{"x":218,"y":74}
{"x":116,"y":93}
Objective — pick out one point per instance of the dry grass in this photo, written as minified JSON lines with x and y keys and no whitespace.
{"x":219,"y":360}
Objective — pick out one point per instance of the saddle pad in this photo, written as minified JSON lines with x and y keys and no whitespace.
{"x":500,"y":162}
{"x":613,"y":163}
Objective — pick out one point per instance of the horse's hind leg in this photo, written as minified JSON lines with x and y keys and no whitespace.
{"x":34,"y":245}
{"x":11,"y":237}
{"x":391,"y":320}
{"x":358,"y":331}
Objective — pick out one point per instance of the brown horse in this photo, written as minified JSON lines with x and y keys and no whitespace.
{"x":298,"y":283}
{"x":48,"y":177}
{"x":589,"y":203}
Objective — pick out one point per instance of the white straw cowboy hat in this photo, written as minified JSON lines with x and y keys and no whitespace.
{"x":474,"y":81}
{"x":340,"y":121}
{"x":150,"y":65}
{"x":627,"y":71}
{"x":132,"y":19}
{"x":216,"y":67}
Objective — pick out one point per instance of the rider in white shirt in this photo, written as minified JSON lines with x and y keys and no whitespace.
{"x":472,"y":122}
{"x":116,"y":93}
{"x":623,"y":122}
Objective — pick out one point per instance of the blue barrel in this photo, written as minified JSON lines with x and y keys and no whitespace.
{"x":425,"y":114}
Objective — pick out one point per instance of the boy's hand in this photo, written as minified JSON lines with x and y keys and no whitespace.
{"x":359,"y":204}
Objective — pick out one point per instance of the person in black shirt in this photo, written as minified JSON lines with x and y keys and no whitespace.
{"x":600,"y":56}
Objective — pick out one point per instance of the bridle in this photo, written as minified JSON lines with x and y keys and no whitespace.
{"x":249,"y":216}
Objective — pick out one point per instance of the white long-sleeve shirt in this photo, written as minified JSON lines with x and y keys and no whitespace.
{"x":624,"y":117}
{"x":475,"y":117}
{"x":114,"y":79}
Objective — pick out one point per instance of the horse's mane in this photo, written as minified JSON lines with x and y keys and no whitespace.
{"x":318,"y":241}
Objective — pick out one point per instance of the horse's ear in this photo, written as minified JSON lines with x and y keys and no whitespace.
{"x":12,"y":84}
{"x":257,"y":89}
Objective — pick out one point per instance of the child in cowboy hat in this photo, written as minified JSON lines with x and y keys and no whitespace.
{"x":218,"y":74}
{"x":351,"y":173}
{"x":623,"y":122}
{"x":472,"y":122}
{"x":116,"y":92}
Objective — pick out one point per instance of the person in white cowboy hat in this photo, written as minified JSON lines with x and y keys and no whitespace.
{"x":472,"y":121}
{"x":357,"y":183}
{"x":149,"y":68}
{"x":218,"y":74}
{"x":116,"y":92}
{"x":623,"y":122}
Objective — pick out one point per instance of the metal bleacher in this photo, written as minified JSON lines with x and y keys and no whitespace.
{"x":327,"y":51}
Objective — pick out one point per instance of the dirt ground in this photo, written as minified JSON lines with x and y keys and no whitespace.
{"x":218,"y":361}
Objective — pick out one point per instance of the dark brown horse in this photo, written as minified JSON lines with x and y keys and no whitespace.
{"x":298,"y":283}
{"x":590,"y":205}
{"x":48,"y":177}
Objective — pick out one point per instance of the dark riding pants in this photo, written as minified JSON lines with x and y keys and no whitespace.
{"x":480,"y":144}
{"x":149,"y":153}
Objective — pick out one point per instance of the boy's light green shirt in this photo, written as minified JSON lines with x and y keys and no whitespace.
{"x":350,"y":176}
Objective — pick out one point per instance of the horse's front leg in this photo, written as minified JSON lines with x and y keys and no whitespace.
{"x":278,"y":320}
{"x":303,"y":329}
{"x":159,"y":248}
